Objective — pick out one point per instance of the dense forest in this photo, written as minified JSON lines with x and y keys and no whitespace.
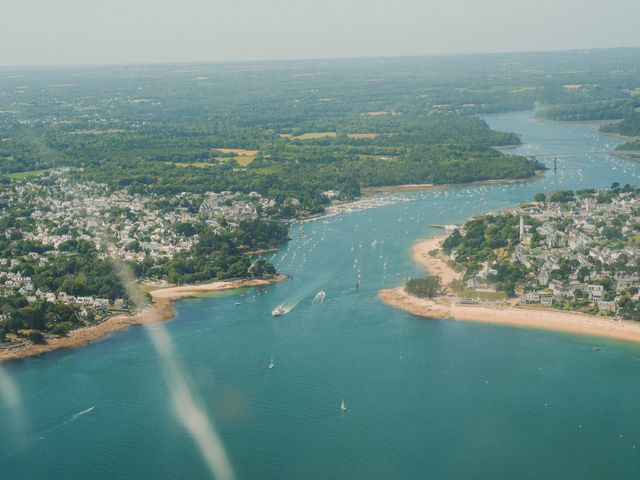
{"x":443,"y":149}
{"x":596,"y":111}
{"x":299,"y":128}
{"x":220,"y":256}
{"x":356,"y":152}
{"x":628,"y":127}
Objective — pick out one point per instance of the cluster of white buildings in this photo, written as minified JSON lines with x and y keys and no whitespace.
{"x":15,"y":282}
{"x":580,"y":249}
{"x":68,"y":210}
{"x":234,"y":207}
{"x":127,"y":226}
{"x":83,"y":305}
{"x":57,"y":212}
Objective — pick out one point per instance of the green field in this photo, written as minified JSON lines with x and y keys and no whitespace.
{"x":243,"y":160}
{"x":486,"y":296}
{"x":265,"y":170}
{"x":191,"y":164}
{"x":22,"y":175}
{"x":309,"y":136}
{"x":241,"y":155}
{"x":96,"y":132}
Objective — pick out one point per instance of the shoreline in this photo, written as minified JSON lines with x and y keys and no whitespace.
{"x":631,"y":157}
{"x":160,"y":310}
{"x":418,"y":187}
{"x":552,"y":320}
{"x":435,"y":265}
{"x":512,"y":316}
{"x":596,"y":123}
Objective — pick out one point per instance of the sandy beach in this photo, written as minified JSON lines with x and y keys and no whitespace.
{"x":567,"y":322}
{"x":161,"y":309}
{"x":511,"y":315}
{"x":435,"y":265}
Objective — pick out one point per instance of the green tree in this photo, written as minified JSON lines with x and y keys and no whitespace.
{"x":424,"y":287}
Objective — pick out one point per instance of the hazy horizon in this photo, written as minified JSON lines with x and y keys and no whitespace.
{"x":315,"y":59}
{"x":75,"y":32}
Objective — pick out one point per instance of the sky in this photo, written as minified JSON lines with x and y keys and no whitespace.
{"x":49,"y":32}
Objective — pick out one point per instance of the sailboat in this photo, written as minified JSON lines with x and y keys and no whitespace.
{"x":271,"y":364}
{"x":343,"y":407}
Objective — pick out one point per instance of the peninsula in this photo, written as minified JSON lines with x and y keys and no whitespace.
{"x":160,"y":310}
{"x":537,"y":276}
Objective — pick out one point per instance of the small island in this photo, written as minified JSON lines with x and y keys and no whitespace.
{"x":567,"y":261}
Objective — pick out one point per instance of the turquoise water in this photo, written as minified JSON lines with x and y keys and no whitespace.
{"x":426,"y":398}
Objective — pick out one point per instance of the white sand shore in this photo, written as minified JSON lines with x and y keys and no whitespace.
{"x":435,"y":265}
{"x":568,"y":322}
{"x":547,"y":319}
{"x":176,"y":293}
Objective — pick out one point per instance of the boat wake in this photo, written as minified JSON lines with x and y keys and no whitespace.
{"x":42,"y":435}
{"x":283,"y":309}
{"x":319,"y":298}
{"x":83,"y":412}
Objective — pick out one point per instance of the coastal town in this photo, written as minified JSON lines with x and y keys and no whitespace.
{"x":319,"y":240}
{"x":571,"y":251}
{"x":60,"y":235}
